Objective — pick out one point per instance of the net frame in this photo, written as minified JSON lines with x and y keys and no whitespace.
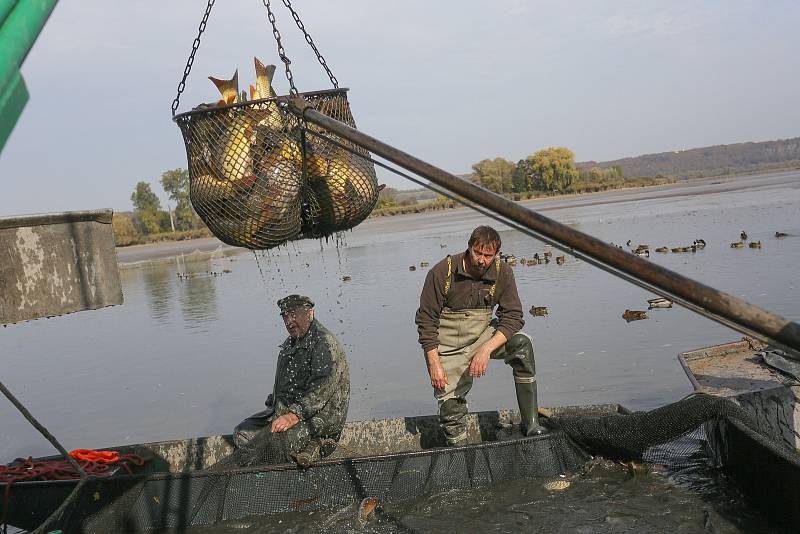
{"x":257,"y":180}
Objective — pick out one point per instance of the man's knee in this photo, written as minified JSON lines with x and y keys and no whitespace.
{"x":247,"y":429}
{"x":519,"y":355}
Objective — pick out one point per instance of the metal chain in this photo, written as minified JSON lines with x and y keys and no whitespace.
{"x":281,"y":52}
{"x":190,"y":61}
{"x":310,"y":42}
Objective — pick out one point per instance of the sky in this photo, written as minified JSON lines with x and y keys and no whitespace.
{"x":451,"y":82}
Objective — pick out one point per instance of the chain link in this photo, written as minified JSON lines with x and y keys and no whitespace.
{"x":310,"y":42}
{"x":281,"y":52}
{"x":190,"y":61}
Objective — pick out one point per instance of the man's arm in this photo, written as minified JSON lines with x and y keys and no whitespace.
{"x":324,"y":383}
{"x":435,"y":370}
{"x":509,"y":308}
{"x":480,"y":359}
{"x":431,"y":302}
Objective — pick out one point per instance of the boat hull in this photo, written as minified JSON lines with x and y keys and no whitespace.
{"x":767,"y":471}
{"x":391,"y":459}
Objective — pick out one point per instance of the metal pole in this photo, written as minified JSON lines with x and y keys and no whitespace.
{"x":729,"y":310}
{"x":46,"y":433}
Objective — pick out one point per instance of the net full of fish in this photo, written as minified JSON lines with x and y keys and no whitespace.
{"x":259,"y":177}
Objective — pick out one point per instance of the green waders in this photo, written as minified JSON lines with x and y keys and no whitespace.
{"x":460,"y":334}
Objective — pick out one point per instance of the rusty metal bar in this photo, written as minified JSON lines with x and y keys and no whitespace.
{"x":723,"y":307}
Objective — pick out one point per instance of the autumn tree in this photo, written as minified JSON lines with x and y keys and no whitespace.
{"x":145,"y":208}
{"x":494,"y":174}
{"x":550,"y":169}
{"x":519,"y":180}
{"x":176,"y":185}
{"x":124,"y":231}
{"x":387,"y":197}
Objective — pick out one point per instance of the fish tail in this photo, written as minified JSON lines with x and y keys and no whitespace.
{"x":227,"y":87}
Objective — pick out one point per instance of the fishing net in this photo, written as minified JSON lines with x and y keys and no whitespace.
{"x":710,"y":429}
{"x":258,"y":180}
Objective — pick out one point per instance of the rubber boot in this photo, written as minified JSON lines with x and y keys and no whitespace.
{"x":519,"y":355}
{"x":528,"y":406}
{"x":453,"y":420}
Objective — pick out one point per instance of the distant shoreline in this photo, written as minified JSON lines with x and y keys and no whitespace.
{"x":142,"y":255}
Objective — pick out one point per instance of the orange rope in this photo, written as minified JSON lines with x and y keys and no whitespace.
{"x":94,"y":463}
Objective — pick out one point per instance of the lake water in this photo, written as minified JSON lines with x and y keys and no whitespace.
{"x":189,"y":356}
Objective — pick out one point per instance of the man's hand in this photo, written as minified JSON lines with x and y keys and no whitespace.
{"x":480,"y":361}
{"x":435,"y":370}
{"x":284,"y":422}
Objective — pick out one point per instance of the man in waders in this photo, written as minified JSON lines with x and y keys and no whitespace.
{"x":458,"y":334}
{"x":311,"y":393}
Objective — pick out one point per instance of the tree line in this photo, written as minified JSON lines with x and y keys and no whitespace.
{"x":550,"y":170}
{"x":150,"y":222}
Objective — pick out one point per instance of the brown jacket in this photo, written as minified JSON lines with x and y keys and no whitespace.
{"x":467,"y":293}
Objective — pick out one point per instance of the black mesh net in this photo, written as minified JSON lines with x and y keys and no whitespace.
{"x":258,"y":180}
{"x":723,"y":432}
{"x":640,"y":434}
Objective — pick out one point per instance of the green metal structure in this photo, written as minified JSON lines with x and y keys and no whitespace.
{"x":21,"y":21}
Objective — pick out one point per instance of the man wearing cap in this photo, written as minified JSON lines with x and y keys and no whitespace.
{"x":459,"y":335}
{"x":311,"y":392}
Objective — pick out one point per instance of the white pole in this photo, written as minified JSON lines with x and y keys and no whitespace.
{"x":171,"y":222}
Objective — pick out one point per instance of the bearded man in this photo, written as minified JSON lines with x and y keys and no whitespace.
{"x":459,"y":334}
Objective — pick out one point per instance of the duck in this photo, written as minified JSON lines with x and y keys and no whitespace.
{"x":530,"y":263}
{"x":346,"y":279}
{"x":412,"y":268}
{"x":737,"y":244}
{"x":634,"y":315}
{"x":663,"y":250}
{"x":628,"y":243}
{"x":754,"y":244}
{"x":677,"y":250}
{"x":423,"y":264}
{"x":547,"y":254}
{"x":642,"y":252}
{"x":743,"y":235}
{"x":780,"y":235}
{"x":538,"y":311}
{"x":659,"y":302}
{"x":561,"y":260}
{"x":700,"y":243}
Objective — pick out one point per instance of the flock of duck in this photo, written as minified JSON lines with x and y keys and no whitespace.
{"x":642,"y":250}
{"x":198,"y":274}
{"x":698,"y":244}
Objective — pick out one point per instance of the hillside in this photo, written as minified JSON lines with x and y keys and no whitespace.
{"x":712,"y":160}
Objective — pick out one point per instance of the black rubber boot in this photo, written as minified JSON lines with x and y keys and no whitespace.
{"x":453,"y":420}
{"x":528,"y":408}
{"x":519,"y":355}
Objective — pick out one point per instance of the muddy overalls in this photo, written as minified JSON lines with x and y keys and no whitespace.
{"x":461,"y":332}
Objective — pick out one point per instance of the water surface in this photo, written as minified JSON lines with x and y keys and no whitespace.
{"x":189,"y":356}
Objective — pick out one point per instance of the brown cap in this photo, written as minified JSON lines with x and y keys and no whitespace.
{"x":294,"y":301}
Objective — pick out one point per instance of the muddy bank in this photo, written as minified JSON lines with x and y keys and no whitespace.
{"x":142,"y":255}
{"x":139,"y":255}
